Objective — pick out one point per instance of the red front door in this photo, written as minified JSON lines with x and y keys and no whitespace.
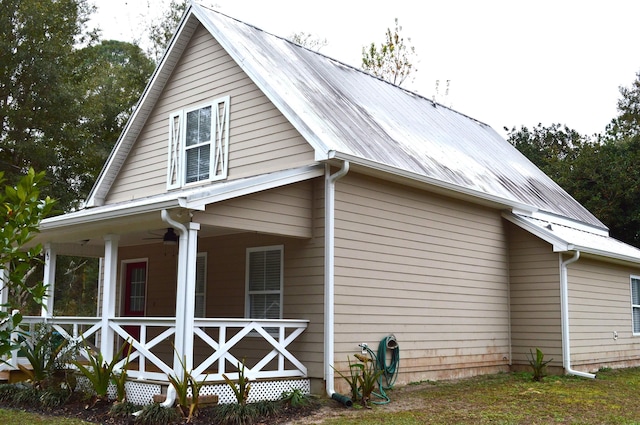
{"x":135,"y":294}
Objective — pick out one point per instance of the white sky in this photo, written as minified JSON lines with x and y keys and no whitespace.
{"x":510,"y":62}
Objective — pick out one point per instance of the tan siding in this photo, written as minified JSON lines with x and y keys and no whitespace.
{"x":261,"y":139}
{"x":285,"y":211}
{"x":430,"y":270}
{"x":535,"y":297}
{"x":599,"y":304}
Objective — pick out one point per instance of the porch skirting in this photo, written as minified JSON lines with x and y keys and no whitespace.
{"x":142,"y":392}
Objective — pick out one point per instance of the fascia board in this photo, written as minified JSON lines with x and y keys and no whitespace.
{"x":92,"y":215}
{"x":559,"y":245}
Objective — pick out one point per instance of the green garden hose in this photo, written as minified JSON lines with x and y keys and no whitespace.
{"x":389,"y":371}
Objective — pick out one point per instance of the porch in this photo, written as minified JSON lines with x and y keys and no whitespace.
{"x":220,"y":345}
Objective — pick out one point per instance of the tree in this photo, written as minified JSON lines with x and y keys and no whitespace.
{"x":112,"y":76}
{"x":602,"y":175}
{"x":393,"y":60}
{"x":627,"y":124}
{"x":64,"y":99}
{"x":22,"y":208}
{"x":308,"y":40}
{"x":38,"y":87}
{"x":553,"y":149}
{"x":161,"y":31}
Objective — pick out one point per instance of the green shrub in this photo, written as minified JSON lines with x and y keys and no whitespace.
{"x":99,"y":373}
{"x":51,"y":398}
{"x":123,"y":409}
{"x":48,"y":354}
{"x":241,"y":390}
{"x":538,"y":364}
{"x":188,"y":407}
{"x":236,"y":413}
{"x":155,"y":414}
{"x":8,"y":392}
{"x":295,"y":398}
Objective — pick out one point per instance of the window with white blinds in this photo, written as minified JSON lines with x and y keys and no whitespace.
{"x":635,"y":303}
{"x":201,"y":285}
{"x":264,"y":282}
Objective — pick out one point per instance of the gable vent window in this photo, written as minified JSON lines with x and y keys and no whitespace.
{"x":199,"y":144}
{"x":264,"y":282}
{"x":635,"y":303}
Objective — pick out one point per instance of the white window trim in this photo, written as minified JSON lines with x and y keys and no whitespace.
{"x":203,"y":294}
{"x":247,"y":308}
{"x":219,"y":151}
{"x":633,"y":306}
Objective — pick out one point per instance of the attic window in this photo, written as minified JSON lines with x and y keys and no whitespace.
{"x":198,"y":144}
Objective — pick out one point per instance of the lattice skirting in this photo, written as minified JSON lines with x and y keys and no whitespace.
{"x":142,"y":392}
{"x":260,"y":390}
{"x":137,"y":392}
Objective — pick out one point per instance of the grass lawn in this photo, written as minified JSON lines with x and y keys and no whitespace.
{"x":612,"y":398}
{"x":16,"y":417}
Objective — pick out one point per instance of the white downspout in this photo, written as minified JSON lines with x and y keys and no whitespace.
{"x":564,"y":310}
{"x":329,"y":263}
{"x":180,"y":302}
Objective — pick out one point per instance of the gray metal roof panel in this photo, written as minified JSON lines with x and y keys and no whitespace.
{"x":340,"y":108}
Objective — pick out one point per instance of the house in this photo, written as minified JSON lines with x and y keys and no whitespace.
{"x":304,"y":207}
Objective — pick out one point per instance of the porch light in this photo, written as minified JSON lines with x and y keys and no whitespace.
{"x":170,"y":237}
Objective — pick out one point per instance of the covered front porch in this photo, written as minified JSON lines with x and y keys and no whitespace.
{"x":195,"y":298}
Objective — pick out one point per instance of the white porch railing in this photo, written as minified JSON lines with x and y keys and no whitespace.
{"x":276,"y":335}
{"x":163,"y":328}
{"x":265,"y":343}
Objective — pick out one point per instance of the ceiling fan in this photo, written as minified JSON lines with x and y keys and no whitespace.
{"x":169,"y":238}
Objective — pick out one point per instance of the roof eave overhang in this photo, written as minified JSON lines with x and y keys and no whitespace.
{"x":561,"y":245}
{"x":116,"y":211}
{"x":436,"y":185}
{"x":190,"y":199}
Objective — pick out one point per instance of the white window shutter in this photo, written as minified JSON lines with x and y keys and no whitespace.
{"x":220,"y":152}
{"x":174,"y":163}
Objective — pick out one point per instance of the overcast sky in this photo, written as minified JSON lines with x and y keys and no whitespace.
{"x":509,"y":62}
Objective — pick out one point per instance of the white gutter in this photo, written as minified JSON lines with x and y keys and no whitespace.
{"x":564,"y":310}
{"x":329,"y":263}
{"x":180,"y":303}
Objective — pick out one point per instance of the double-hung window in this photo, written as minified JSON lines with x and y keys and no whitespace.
{"x":264,"y":282}
{"x":635,"y":303}
{"x":199,"y":144}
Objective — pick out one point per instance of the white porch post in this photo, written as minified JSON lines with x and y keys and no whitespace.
{"x":49,"y":280}
{"x":183,"y":245}
{"x":107,"y":338}
{"x":190,"y":291}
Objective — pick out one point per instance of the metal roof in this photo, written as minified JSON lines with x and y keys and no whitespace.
{"x":344,"y":112}
{"x":340,"y":108}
